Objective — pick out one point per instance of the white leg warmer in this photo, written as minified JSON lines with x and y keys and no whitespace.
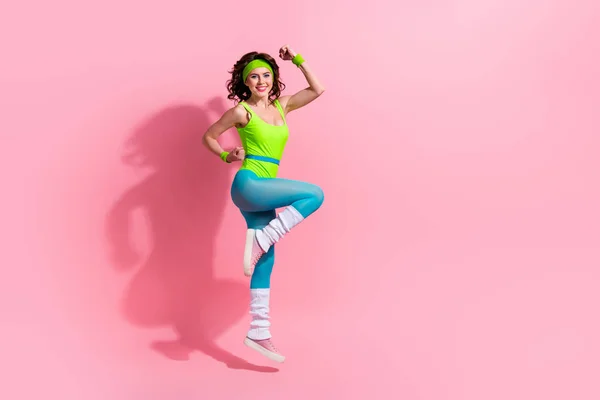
{"x":259,"y":312}
{"x":278,"y":227}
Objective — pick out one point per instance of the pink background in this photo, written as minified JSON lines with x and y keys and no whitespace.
{"x":462,"y":138}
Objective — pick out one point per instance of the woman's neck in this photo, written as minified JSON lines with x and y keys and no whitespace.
{"x":263,"y":102}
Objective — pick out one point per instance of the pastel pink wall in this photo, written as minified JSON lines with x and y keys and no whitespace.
{"x":455,"y":257}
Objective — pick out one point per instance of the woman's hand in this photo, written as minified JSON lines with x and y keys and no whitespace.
{"x":286,"y":53}
{"x":236,"y":154}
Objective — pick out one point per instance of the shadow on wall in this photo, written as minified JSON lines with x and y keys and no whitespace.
{"x":183,"y":201}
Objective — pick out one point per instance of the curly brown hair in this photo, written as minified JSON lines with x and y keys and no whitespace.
{"x":238,"y":91}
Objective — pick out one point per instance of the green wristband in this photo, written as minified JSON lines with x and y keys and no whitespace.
{"x":297,"y":60}
{"x":224,"y":156}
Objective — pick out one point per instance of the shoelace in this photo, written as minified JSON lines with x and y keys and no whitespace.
{"x":272,"y":346}
{"x":257,"y":257}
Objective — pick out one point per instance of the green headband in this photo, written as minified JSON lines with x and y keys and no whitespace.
{"x":257,"y":63}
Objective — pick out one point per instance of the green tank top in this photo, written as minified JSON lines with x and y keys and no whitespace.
{"x":263,"y":143}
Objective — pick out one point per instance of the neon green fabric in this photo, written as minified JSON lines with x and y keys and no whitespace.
{"x":224,"y":155}
{"x":256,"y":63}
{"x":262,"y":139}
{"x":298,"y":60}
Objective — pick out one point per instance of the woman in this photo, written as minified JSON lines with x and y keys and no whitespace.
{"x":260,"y":119}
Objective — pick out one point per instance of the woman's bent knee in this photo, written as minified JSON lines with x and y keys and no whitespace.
{"x":318,"y":196}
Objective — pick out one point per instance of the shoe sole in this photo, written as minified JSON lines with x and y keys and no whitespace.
{"x":269,"y":354}
{"x":248,"y":252}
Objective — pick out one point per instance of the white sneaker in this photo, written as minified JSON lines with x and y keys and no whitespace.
{"x":266,"y":348}
{"x":252,"y":252}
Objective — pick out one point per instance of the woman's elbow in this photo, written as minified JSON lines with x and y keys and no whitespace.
{"x":206,"y":138}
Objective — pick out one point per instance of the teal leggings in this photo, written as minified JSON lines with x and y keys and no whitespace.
{"x":258,"y":198}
